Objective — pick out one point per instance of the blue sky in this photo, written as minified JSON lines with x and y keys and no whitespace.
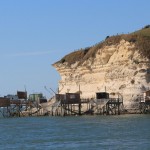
{"x":36,"y":33}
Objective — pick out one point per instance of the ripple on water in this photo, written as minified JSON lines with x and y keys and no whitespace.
{"x":75,"y":133}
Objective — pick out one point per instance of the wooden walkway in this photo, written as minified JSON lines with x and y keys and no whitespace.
{"x":68,"y":105}
{"x":88,"y":107}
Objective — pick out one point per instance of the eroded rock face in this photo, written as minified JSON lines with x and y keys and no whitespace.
{"x":117,"y":68}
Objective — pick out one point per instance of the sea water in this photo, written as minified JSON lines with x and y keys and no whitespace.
{"x":123,"y":132}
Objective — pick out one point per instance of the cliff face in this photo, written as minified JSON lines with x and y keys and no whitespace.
{"x":117,"y":68}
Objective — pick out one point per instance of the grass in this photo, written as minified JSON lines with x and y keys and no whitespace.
{"x":75,"y":56}
{"x":141,"y":38}
{"x":143,"y":32}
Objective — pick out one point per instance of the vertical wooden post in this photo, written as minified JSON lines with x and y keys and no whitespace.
{"x":60,"y":109}
{"x":7,"y":111}
{"x":52,"y":110}
{"x":64,"y":104}
{"x":79,"y":108}
{"x":118,"y":107}
{"x":71,"y":109}
{"x":107,"y":109}
{"x":19,"y":109}
{"x":115,"y":106}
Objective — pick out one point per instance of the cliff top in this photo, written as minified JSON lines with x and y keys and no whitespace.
{"x":141,"y":38}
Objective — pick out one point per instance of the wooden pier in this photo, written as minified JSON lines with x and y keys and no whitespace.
{"x":144,"y":101}
{"x":19,"y":106}
{"x":66,"y":105}
{"x":145,"y":106}
{"x":111,"y":106}
{"x":71,"y":104}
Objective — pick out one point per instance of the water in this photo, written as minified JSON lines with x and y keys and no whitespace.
{"x":124,"y":132}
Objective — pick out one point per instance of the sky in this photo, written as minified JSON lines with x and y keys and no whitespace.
{"x":34,"y":34}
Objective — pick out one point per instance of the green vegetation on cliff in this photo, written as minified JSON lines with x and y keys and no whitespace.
{"x":141,"y":38}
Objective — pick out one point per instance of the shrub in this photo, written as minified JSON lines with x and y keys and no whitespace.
{"x":147,"y":26}
{"x":62,"y":60}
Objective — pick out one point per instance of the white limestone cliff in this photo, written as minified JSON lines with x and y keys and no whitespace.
{"x":119,"y":68}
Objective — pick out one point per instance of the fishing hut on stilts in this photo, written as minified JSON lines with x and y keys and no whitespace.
{"x":12,"y":105}
{"x":66,"y":105}
{"x":106,"y":105}
{"x":71,"y":104}
{"x":145,"y":102}
{"x":4,"y":106}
